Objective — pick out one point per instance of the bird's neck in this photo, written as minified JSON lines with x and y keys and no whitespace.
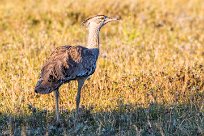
{"x":93,"y":38}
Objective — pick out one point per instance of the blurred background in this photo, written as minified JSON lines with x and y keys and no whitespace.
{"x":150,"y":69}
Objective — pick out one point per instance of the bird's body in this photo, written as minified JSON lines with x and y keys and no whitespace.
{"x":68,"y":63}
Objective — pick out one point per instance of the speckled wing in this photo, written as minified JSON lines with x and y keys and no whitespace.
{"x":81,"y":62}
{"x":88,"y":62}
{"x":66,"y":63}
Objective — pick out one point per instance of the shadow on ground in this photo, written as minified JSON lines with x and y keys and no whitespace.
{"x":124,"y":120}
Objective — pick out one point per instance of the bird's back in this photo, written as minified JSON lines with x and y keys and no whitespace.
{"x":66,"y":63}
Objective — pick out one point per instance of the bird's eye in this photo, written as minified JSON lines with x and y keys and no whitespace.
{"x":102,"y":18}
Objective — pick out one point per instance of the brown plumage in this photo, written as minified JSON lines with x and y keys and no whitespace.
{"x":68,"y":63}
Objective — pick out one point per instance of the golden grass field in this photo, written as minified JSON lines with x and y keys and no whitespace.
{"x":150,"y":74}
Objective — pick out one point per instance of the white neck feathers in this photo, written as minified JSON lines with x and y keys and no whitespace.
{"x":93,"y":37}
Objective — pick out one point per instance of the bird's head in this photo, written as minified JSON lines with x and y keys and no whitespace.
{"x":99,"y":21}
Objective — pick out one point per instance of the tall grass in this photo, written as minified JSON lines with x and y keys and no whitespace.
{"x":150,"y":74}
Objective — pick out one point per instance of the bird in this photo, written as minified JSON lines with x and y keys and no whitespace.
{"x":67,"y":63}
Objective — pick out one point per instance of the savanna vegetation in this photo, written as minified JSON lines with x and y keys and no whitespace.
{"x":150,"y":74}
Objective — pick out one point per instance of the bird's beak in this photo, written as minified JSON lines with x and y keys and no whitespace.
{"x":110,"y":19}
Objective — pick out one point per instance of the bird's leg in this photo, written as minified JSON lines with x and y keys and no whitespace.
{"x":80,"y":85}
{"x":57,"y":104}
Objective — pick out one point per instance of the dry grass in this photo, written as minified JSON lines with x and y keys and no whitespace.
{"x":149,"y":79}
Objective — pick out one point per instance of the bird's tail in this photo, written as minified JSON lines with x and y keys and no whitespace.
{"x":42,"y":88}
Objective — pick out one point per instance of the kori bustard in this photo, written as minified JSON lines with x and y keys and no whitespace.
{"x":68,"y":63}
